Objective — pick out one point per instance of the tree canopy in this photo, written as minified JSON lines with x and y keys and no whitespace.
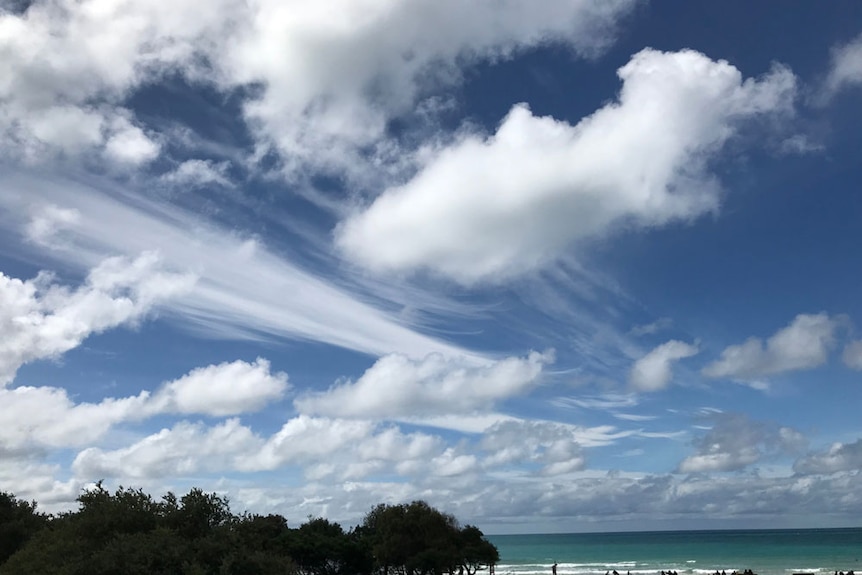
{"x":130,"y":532}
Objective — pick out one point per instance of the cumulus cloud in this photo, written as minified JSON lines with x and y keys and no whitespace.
{"x":36,"y":417}
{"x":329,"y":76}
{"x":852,"y":355}
{"x":41,"y":319}
{"x":846,"y":66}
{"x":397,"y":386}
{"x":185,"y":449}
{"x":838,"y":457}
{"x":620,"y":499}
{"x":335,"y":73}
{"x":322,"y":447}
{"x":67,"y":67}
{"x":735,"y":442}
{"x":555,"y":446}
{"x":489,"y":208}
{"x":803,"y":344}
{"x":223,"y":389}
{"x":653,"y":372}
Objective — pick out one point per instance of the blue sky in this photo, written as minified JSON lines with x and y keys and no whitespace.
{"x":558,"y":266}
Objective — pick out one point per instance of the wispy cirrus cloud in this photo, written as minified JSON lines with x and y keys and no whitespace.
{"x":270,"y":297}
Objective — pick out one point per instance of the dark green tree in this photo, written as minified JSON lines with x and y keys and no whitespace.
{"x":416,"y":539}
{"x":476,"y":552}
{"x":19,"y":521}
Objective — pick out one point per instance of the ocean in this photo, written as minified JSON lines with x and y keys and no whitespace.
{"x":766,"y":552}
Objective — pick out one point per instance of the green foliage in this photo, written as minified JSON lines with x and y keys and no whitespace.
{"x":128,"y":532}
{"x":19,"y":521}
{"x":417,"y":539}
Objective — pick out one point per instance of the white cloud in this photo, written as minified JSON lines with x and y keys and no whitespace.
{"x":199,"y":173}
{"x":32,"y":480}
{"x":846,"y":66}
{"x":49,"y":221}
{"x":186,"y":449}
{"x":322,"y":448}
{"x":34,"y":417}
{"x":653,"y":372}
{"x":334,"y":73}
{"x":838,"y":457}
{"x":66,"y":67}
{"x":800,"y":144}
{"x":735,"y":442}
{"x":223,"y":389}
{"x":330,"y":74}
{"x":40,"y":319}
{"x":397,"y":386}
{"x":803,"y":344}
{"x":852,"y":355}
{"x":222,"y":303}
{"x":658,"y":325}
{"x":488,"y":208}
{"x":128,"y":144}
{"x":613,"y":501}
{"x":606,"y":401}
{"x":555,"y":446}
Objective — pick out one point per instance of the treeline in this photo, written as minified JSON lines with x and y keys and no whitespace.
{"x":128,"y":532}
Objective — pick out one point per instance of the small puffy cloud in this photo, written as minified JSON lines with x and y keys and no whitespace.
{"x":48,"y":221}
{"x":799,"y":144}
{"x":556,"y":446}
{"x":185,"y":449}
{"x":735,"y":442}
{"x":838,"y":457}
{"x":803,"y":344}
{"x":653,"y":372}
{"x":852,"y":355}
{"x":128,"y":144}
{"x":40,"y":319}
{"x":223,"y":389}
{"x":846,"y":66}
{"x":397,"y":386}
{"x":198,"y":174}
{"x":487,"y":208}
{"x":306,"y":439}
{"x":34,"y":417}
{"x":651,"y":328}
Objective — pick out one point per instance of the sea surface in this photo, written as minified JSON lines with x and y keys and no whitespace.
{"x":766,"y":552}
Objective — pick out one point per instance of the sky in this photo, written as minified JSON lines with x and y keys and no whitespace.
{"x":570,"y":265}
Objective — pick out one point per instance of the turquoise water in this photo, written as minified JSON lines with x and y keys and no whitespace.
{"x":766,"y":552}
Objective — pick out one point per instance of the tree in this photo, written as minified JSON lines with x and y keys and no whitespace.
{"x":477,"y":553}
{"x":19,"y":521}
{"x":417,"y":539}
